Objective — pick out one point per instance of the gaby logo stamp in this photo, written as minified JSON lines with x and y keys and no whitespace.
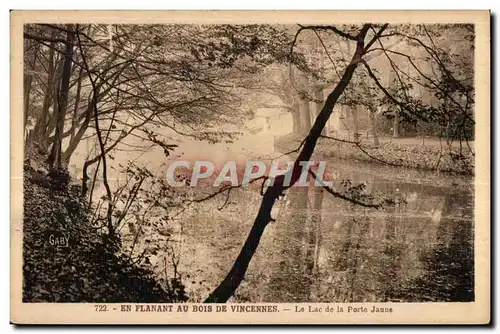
{"x":57,"y":239}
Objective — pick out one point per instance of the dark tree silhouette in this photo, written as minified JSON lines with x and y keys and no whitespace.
{"x":233,"y":279}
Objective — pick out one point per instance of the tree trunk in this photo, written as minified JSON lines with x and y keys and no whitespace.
{"x":28,"y":78}
{"x":76,"y":136}
{"x":77,"y":103}
{"x":395,"y":126}
{"x":73,"y":144}
{"x":62,"y":101}
{"x":344,"y":112}
{"x":305,"y":115}
{"x":27,"y":84}
{"x":304,"y":107}
{"x":373,"y":125}
{"x":355,"y":123}
{"x":296,"y":118}
{"x":237,"y":272}
{"x":318,"y":95}
{"x":41,"y":123}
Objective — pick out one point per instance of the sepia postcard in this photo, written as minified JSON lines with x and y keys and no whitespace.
{"x":250,"y":167}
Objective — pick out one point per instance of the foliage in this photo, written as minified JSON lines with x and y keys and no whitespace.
{"x":89,"y":270}
{"x":449,"y":270}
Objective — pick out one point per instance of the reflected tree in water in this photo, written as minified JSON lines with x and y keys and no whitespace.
{"x":449,"y":265}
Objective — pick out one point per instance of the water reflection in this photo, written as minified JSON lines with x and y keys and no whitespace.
{"x":323,"y":249}
{"x":292,"y":275}
{"x":328,"y":250}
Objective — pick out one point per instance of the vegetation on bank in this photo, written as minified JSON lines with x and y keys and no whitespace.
{"x":423,"y":157}
{"x":91,"y":268}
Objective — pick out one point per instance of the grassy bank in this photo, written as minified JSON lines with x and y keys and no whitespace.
{"x":88,"y":269}
{"x":390,"y":153}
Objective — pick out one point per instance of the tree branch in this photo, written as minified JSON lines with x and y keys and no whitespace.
{"x":100,"y":140}
{"x":44,"y":38}
{"x":350,"y":199}
{"x":376,"y":37}
{"x":333,"y":29}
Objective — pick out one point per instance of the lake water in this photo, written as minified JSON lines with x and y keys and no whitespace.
{"x":323,"y":249}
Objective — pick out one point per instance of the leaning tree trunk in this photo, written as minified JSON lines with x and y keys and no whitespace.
{"x":318,"y":96}
{"x":62,"y":101}
{"x":73,"y":143}
{"x":236,"y":274}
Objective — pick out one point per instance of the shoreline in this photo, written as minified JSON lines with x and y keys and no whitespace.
{"x":389,"y":154}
